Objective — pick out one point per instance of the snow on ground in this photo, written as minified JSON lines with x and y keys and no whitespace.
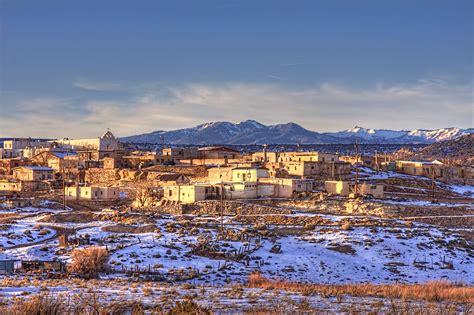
{"x":425,"y":203}
{"x":326,"y":254}
{"x":45,"y":251}
{"x":463,"y":189}
{"x":22,"y":233}
{"x":387,"y":256}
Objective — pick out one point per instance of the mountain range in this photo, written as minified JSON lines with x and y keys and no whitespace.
{"x":253,"y":132}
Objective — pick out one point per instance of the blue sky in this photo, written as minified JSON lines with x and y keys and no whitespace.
{"x":75,"y":68}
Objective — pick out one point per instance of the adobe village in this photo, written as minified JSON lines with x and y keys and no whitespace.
{"x":216,"y":229}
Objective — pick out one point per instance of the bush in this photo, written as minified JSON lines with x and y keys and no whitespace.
{"x":39,"y":304}
{"x":347,"y":227}
{"x":188,"y":306}
{"x":88,"y":262}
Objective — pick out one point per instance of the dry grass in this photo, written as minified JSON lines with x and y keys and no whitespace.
{"x":46,"y":304}
{"x":435,"y":291}
{"x":88,"y":262}
{"x":39,"y":304}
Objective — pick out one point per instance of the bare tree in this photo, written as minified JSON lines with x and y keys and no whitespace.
{"x":143,"y":194}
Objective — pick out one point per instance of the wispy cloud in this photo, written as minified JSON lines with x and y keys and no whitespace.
{"x":99,"y":86}
{"x":274,"y":77}
{"x":326,"y":107}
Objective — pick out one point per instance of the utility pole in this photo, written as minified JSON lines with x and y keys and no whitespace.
{"x":376,"y":161}
{"x":222,"y":209}
{"x":63,"y":175}
{"x":265,"y":153}
{"x":357,"y":170}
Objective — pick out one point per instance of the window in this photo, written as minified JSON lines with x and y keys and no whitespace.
{"x":170,"y":193}
{"x":323,"y":159}
{"x":373,"y":187}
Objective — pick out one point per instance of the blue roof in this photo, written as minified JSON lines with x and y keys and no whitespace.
{"x":62,"y":155}
{"x":38,"y":168}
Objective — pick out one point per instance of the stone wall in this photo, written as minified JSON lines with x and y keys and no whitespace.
{"x":99,"y":175}
{"x":212,"y":207}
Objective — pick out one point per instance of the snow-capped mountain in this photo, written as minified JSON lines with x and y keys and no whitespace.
{"x":369,"y":134}
{"x":253,"y":132}
{"x":440,"y":134}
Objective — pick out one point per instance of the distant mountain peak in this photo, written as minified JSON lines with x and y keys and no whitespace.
{"x":252,"y":123}
{"x":253,"y":132}
{"x":357,"y":129}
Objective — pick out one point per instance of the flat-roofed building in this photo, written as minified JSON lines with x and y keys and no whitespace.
{"x":288,"y":187}
{"x":181,"y":153}
{"x":33,"y":173}
{"x":308,"y":168}
{"x":248,"y":174}
{"x":218,"y":153}
{"x":21,"y":147}
{"x":346,"y":188}
{"x":421,"y":168}
{"x":94,"y":193}
{"x":10,"y":185}
{"x":188,"y":194}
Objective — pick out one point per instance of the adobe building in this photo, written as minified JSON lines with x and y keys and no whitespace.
{"x":93,"y":193}
{"x":10,"y":185}
{"x":421,"y":168}
{"x":33,"y":173}
{"x":94,"y":149}
{"x":7,"y":165}
{"x":346,"y":188}
{"x":215,"y":153}
{"x":22,"y":147}
{"x":188,"y":194}
{"x":312,"y":156}
{"x":59,"y":161}
{"x":288,"y":187}
{"x":181,"y":153}
{"x":317,"y":169}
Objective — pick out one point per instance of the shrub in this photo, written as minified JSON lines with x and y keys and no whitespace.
{"x":38,"y":304}
{"x":43,"y":232}
{"x":88,"y":262}
{"x":188,"y":306}
{"x":347,"y":227}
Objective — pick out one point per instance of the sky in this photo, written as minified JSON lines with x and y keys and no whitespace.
{"x":75,"y":68}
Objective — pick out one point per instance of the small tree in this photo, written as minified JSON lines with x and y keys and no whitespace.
{"x":143,"y":194}
{"x":88,"y":262}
